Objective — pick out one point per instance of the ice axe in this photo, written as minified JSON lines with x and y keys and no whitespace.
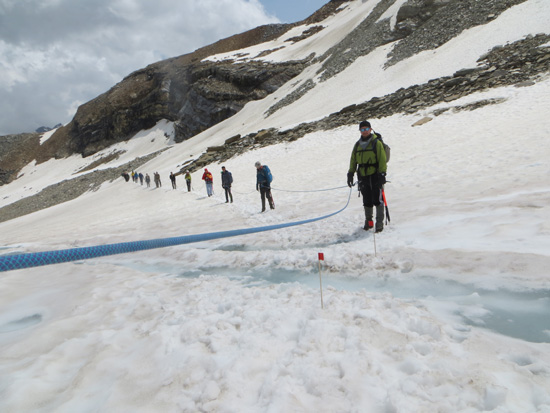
{"x":386,"y":206}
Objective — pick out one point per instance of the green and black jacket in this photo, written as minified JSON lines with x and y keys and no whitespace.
{"x":368,"y":157}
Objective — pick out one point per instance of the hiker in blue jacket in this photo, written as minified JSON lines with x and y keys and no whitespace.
{"x":227,"y":180}
{"x":263,"y":184}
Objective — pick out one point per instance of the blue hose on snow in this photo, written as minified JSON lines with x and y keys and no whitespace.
{"x":37,"y":259}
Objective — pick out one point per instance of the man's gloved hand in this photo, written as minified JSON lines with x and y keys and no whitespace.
{"x":350,"y":179}
{"x":381,"y":179}
{"x":257,"y":187}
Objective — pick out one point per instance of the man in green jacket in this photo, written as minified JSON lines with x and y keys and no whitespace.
{"x":368,"y":159}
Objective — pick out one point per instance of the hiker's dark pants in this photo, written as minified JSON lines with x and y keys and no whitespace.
{"x":370,"y":191}
{"x":265,"y":192}
{"x":228,"y":194}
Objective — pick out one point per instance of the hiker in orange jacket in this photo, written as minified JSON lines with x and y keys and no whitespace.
{"x":208,"y":179}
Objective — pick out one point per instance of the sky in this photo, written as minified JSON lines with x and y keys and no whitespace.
{"x":445,"y":310}
{"x":58,"y":54}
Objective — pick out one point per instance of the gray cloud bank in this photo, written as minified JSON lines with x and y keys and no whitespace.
{"x":57,"y":54}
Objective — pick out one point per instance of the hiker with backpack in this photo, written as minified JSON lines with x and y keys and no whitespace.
{"x":369,"y":160}
{"x":227,"y":180}
{"x":263,"y":184}
{"x":188,"y":180}
{"x":208,"y":180}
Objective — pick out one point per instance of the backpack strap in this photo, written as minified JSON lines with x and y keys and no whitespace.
{"x":372,"y":146}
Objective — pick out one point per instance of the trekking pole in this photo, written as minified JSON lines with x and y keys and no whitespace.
{"x":321,"y":257}
{"x":386,"y":206}
{"x":374,"y":240}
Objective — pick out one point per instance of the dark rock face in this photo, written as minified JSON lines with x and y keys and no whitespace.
{"x":212,"y":92}
{"x":194,"y":94}
{"x":15,"y":152}
{"x":137,"y":103}
{"x":196,"y":97}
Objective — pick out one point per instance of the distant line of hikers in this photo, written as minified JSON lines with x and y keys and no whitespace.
{"x":263,"y":182}
{"x":368,"y":161}
{"x":138,"y":177}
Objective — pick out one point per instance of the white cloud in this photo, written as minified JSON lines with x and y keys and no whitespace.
{"x":57,"y":52}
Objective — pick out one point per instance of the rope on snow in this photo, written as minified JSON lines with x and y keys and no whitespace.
{"x":313,"y":190}
{"x":37,"y":259}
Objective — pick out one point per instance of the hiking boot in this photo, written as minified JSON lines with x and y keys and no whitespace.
{"x":379,"y":218}
{"x":368,"y":225}
{"x":368,"y":219}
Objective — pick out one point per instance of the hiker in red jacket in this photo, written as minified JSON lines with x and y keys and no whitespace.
{"x":208,"y":179}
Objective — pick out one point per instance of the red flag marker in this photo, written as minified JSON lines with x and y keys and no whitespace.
{"x":321,"y":258}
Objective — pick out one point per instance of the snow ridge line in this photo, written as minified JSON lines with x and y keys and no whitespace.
{"x":37,"y":259}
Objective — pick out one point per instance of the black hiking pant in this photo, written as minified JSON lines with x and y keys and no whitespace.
{"x":265,"y":192}
{"x":228,"y":194}
{"x":370,"y":191}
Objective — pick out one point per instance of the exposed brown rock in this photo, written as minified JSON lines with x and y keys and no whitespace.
{"x":16,"y":151}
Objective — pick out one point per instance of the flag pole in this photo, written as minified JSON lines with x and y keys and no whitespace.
{"x":321,"y":258}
